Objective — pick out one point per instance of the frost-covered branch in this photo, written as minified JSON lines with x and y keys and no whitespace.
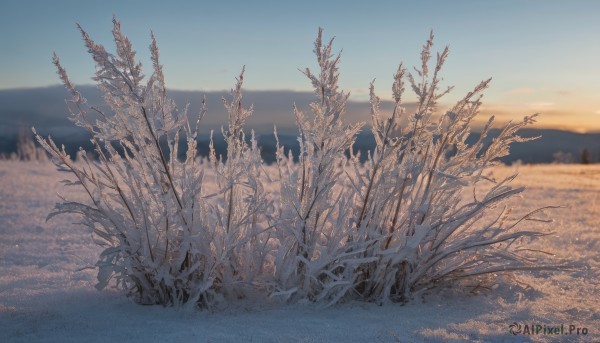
{"x":176,"y":229}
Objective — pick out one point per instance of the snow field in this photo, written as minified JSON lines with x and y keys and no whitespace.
{"x":47,"y":293}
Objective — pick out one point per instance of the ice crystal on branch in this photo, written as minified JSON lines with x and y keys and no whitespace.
{"x":164,"y":242}
{"x":421,"y":210}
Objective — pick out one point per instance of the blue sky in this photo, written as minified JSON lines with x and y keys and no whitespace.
{"x":542,"y":55}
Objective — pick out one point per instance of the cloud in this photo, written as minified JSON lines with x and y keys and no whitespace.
{"x":597,"y":112}
{"x":543,"y":105}
{"x":521,"y":91}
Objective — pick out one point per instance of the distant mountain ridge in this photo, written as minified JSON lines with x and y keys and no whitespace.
{"x":45,"y":109}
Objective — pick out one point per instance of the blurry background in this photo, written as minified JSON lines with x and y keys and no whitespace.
{"x":542,"y":56}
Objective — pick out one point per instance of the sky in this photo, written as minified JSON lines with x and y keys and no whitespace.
{"x":542,"y":55}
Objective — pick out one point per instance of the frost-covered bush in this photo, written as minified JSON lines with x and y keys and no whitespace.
{"x":168,"y":239}
{"x":422,"y":209}
{"x":424,"y":195}
{"x":315,"y":256}
{"x":27,"y":150}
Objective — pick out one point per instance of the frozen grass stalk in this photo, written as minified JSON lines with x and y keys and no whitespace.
{"x":420,"y":211}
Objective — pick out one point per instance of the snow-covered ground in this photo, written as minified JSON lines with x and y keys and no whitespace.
{"x":47,"y":292}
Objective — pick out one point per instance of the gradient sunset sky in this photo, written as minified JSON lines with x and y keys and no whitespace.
{"x":543,"y":56}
